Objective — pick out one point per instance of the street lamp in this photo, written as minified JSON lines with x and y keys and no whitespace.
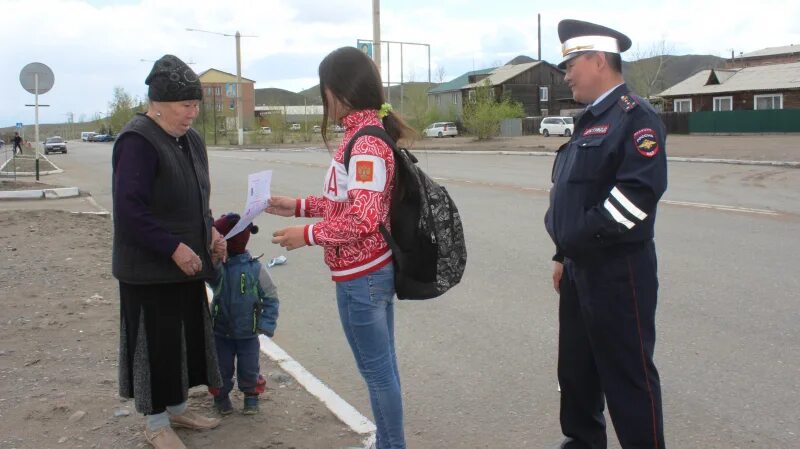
{"x":239,"y":118}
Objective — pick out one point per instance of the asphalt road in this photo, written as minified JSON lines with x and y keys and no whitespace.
{"x":478,"y":365}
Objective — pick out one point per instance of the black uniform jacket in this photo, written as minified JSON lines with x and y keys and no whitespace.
{"x":609,"y":177}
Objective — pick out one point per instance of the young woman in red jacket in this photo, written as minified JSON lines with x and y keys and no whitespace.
{"x":355,"y":200}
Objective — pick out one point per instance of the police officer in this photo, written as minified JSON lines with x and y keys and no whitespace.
{"x":607,"y":181}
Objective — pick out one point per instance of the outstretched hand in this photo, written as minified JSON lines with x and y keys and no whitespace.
{"x":281,"y":205}
{"x":290,"y":238}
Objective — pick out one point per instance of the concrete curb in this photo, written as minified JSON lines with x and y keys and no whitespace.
{"x":701,"y":160}
{"x":37,"y":194}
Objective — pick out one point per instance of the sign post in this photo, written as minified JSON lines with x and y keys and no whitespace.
{"x":37,"y":79}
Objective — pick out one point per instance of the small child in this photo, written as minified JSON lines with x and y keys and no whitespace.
{"x":245,"y":304}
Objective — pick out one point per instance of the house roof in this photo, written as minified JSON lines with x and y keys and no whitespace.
{"x":219,"y":76}
{"x":458,"y":83}
{"x":765,"y":77}
{"x":773,"y":51}
{"x":504,"y":73}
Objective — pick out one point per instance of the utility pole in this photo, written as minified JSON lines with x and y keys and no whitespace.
{"x":540,"y":36}
{"x":239,"y":113}
{"x":401,"y":77}
{"x":376,"y":33}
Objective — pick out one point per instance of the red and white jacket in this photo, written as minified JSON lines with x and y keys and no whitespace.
{"x":354,"y":202}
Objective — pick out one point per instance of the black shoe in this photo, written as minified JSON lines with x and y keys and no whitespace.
{"x":223,"y":405}
{"x":563,"y":444}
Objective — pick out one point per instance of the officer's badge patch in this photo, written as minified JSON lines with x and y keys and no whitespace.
{"x":364,"y":171}
{"x":626,"y":102}
{"x":646,"y":142}
{"x":598,"y":130}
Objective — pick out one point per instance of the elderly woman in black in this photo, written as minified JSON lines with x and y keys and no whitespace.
{"x":164,"y":249}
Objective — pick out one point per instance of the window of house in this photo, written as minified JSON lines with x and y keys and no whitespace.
{"x":544,"y":94}
{"x":217,"y":91}
{"x":769,"y":101}
{"x":472,"y":96}
{"x":219,"y":107}
{"x":682,"y":105}
{"x":455,"y":97}
{"x":723,"y":103}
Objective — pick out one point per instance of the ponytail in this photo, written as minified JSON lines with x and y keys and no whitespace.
{"x":397,"y":128}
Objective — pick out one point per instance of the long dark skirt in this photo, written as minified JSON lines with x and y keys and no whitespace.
{"x":166,"y":344}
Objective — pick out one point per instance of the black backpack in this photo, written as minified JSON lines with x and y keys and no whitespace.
{"x":427,"y":238}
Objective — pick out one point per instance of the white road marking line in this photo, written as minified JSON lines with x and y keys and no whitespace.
{"x":745,"y":210}
{"x":338,"y":406}
{"x":94,"y":204}
{"x":343,"y":410}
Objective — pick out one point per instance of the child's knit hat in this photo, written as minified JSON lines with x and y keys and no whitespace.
{"x":238,"y":243}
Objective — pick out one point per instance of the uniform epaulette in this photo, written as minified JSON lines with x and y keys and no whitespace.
{"x":626,"y":102}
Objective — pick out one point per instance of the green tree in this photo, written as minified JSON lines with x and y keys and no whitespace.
{"x":646,"y":71}
{"x":121,"y":109}
{"x":416,"y":110}
{"x":483,"y":112}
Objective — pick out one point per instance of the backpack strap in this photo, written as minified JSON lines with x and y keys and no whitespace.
{"x":380,"y":133}
{"x":371,"y":130}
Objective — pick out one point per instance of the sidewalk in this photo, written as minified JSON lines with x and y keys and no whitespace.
{"x":58,"y":343}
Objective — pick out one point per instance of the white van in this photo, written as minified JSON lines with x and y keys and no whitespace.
{"x":86,"y":135}
{"x":441,"y":129}
{"x":557,"y":125}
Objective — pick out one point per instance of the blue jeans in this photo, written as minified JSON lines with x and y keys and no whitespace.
{"x":244,"y":354}
{"x":367,"y":312}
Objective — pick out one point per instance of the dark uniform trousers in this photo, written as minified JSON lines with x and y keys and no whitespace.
{"x":606,"y":341}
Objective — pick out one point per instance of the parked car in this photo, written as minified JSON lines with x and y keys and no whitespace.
{"x":441,"y":129}
{"x":266,"y":130}
{"x":563,"y":126}
{"x":102,"y":138}
{"x":86,"y":136}
{"x":53,"y":144}
{"x":294,"y":127}
{"x":317,"y":129}
{"x":338,"y":128}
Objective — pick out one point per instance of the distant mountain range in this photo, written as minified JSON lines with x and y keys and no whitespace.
{"x":274,"y":96}
{"x":675,"y":69}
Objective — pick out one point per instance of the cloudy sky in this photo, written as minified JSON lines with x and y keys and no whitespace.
{"x":94,"y":45}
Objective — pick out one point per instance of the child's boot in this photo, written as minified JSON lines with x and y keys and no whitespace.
{"x":250,"y":404}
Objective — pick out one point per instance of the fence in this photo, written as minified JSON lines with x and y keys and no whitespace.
{"x":675,"y":122}
{"x":766,"y":121}
{"x":732,"y":122}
